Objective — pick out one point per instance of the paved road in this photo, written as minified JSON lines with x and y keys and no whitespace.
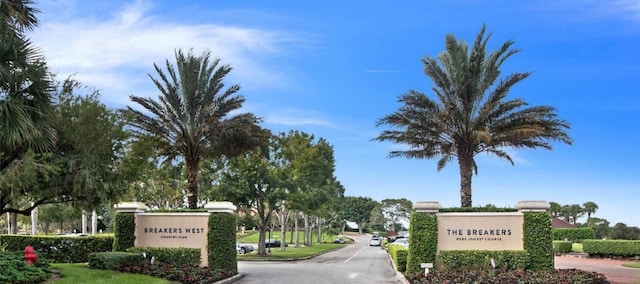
{"x":356,"y":263}
{"x":613,"y":269}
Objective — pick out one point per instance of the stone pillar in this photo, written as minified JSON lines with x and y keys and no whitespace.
{"x":532,"y":206}
{"x":131,"y":207}
{"x":34,"y":221}
{"x":84,"y":222}
{"x":427,"y":206}
{"x":94,"y":222}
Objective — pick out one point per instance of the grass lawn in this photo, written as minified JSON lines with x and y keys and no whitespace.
{"x":292,"y":252}
{"x":576,"y":247}
{"x":80,"y":273}
{"x":632,"y":264}
{"x":251,"y":237}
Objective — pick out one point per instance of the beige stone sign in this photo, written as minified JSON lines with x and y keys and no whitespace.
{"x":480,"y":231}
{"x":188,"y":230}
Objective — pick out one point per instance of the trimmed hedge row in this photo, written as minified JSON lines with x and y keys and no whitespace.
{"x":221,"y":242}
{"x":124,"y":228}
{"x":537,"y":232}
{"x":458,"y":260}
{"x":113,"y":259}
{"x":172,"y":256}
{"x":423,"y":243}
{"x":60,"y":248}
{"x":398,"y":254}
{"x":562,"y":246}
{"x":575,"y":235}
{"x":622,"y":248}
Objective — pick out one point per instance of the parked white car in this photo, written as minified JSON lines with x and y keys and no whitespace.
{"x":375,"y":241}
{"x":244,"y":248}
{"x":402,"y":242}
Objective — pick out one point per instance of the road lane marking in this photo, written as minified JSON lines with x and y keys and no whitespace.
{"x":354,"y":255}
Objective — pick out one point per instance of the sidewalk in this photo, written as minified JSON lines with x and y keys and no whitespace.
{"x":612,"y":268}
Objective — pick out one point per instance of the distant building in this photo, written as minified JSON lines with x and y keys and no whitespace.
{"x":558,"y":223}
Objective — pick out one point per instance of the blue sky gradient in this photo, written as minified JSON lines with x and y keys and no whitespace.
{"x":334,"y":68}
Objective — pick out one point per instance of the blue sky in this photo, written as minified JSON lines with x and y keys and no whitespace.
{"x":333,"y":68}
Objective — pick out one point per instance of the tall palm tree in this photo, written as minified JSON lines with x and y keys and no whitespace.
{"x":471,"y":114}
{"x":192,"y":117}
{"x":589,"y":207}
{"x":25,"y":86}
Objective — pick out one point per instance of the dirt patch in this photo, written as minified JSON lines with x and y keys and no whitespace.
{"x":612,"y":268}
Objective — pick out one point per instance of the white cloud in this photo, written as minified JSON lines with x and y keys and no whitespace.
{"x":295,"y":117}
{"x":115,"y":55}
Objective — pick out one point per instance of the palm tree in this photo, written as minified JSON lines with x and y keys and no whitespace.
{"x":191,"y":120}
{"x":555,"y":208}
{"x":589,"y":207}
{"x":471,"y":114}
{"x":25,"y":86}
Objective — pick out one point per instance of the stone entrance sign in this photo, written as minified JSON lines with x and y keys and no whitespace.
{"x":480,"y":231}
{"x":173,"y":230}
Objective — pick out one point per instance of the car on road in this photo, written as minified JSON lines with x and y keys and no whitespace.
{"x":402,"y":241}
{"x":375,"y":241}
{"x":271,"y":243}
{"x":243,"y":248}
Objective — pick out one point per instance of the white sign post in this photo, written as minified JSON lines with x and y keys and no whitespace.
{"x":426,"y":267}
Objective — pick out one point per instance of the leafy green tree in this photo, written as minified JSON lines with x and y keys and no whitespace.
{"x":471,"y":114}
{"x":257,"y":180}
{"x":600,"y":227}
{"x":192,"y":118}
{"x":83,"y":165}
{"x":358,"y":209}
{"x":397,"y":212}
{"x":621,"y":231}
{"x":589,"y":207}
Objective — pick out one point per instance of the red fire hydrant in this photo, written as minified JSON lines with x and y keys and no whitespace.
{"x":30,"y":256}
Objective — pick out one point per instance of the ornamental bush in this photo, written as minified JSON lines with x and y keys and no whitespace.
{"x":458,"y":260}
{"x":124,"y":229}
{"x":575,"y":235}
{"x":172,"y":256}
{"x":606,"y":248}
{"x":423,"y":241}
{"x":113,"y":259}
{"x":538,"y":241}
{"x":14,"y":270}
{"x":398,"y":254}
{"x":62,"y":249}
{"x":562,"y":247}
{"x":221,"y":240}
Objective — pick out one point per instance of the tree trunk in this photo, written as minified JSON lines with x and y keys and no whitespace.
{"x":319,"y":230}
{"x":307,"y":235}
{"x":192,"y":183}
{"x":297,"y":229}
{"x":466,"y":173}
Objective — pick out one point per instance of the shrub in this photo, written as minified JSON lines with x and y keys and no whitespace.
{"x":181,"y":274}
{"x":124,"y":228}
{"x":172,"y":256}
{"x":13,"y":269}
{"x":575,"y":235}
{"x":513,"y":276}
{"x":112,"y":260}
{"x":605,"y":248}
{"x":398,"y":254}
{"x":60,"y":248}
{"x":221,"y":240}
{"x":458,"y":260}
{"x":423,"y":243}
{"x":538,"y":241}
{"x":562,"y":246}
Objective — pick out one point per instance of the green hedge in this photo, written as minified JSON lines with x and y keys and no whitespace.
{"x":221,"y":242}
{"x":113,"y":259}
{"x":124,"y":229}
{"x":423,"y":241}
{"x":172,"y":256}
{"x":611,"y":247}
{"x":458,"y":260}
{"x":398,"y":254}
{"x":538,"y":240}
{"x":573,"y":234}
{"x":562,"y":246}
{"x":60,"y":248}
